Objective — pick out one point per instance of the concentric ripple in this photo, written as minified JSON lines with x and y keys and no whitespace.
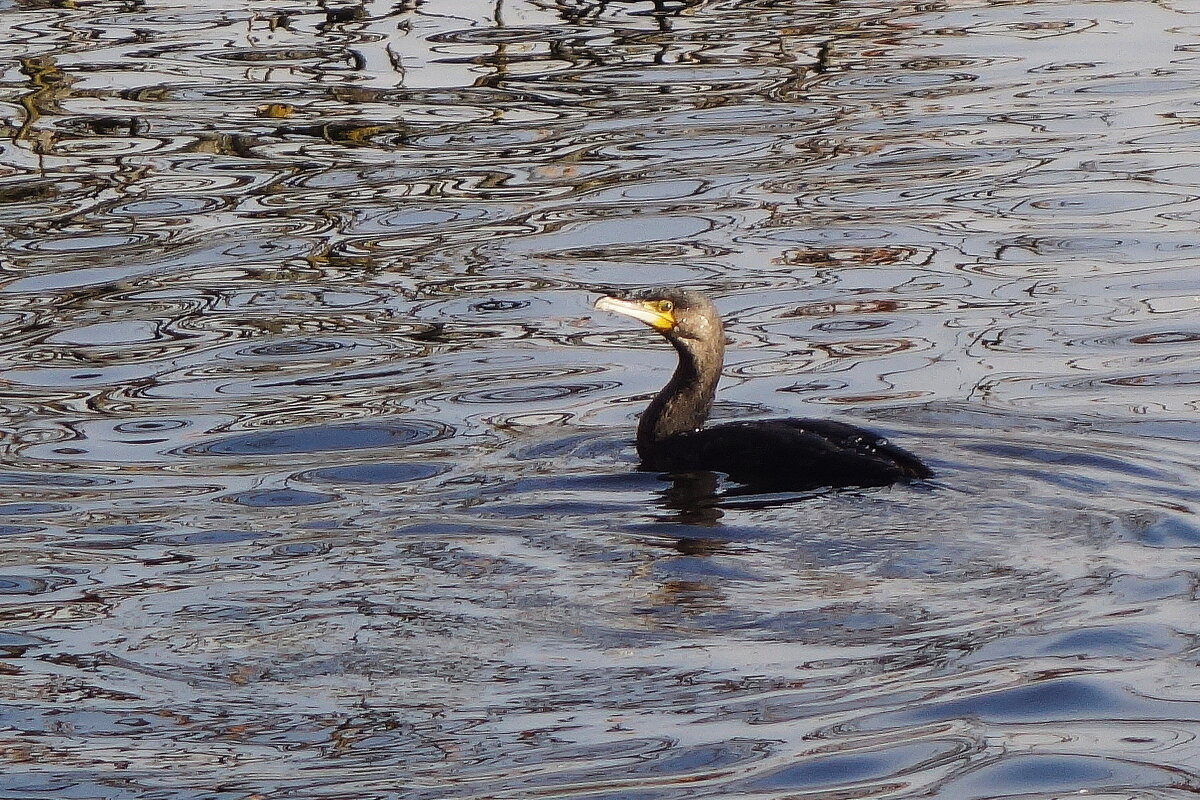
{"x":319,"y":439}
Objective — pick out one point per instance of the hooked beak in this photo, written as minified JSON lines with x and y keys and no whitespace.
{"x":642,"y":310}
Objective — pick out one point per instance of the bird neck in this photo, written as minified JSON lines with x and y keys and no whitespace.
{"x":685,"y":402}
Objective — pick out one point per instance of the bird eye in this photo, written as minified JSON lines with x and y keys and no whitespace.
{"x":665,"y":306}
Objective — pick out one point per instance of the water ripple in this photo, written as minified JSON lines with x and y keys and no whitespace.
{"x":319,"y":466}
{"x":327,"y":438}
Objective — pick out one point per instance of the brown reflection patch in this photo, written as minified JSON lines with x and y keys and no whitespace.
{"x":848,"y":256}
{"x":871,"y":347}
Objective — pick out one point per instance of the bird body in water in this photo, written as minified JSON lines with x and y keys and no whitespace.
{"x":765,"y":455}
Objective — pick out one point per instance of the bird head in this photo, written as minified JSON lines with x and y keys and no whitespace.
{"x":677,"y":314}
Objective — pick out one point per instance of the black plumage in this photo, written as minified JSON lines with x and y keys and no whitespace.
{"x":766,"y":455}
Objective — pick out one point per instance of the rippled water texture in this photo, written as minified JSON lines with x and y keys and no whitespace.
{"x":317,"y":474}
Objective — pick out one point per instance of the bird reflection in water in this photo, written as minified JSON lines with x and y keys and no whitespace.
{"x":698,"y":498}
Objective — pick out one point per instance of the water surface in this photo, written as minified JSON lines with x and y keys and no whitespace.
{"x":317,"y":469}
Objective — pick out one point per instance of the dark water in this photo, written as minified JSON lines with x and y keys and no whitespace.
{"x":317,"y":477}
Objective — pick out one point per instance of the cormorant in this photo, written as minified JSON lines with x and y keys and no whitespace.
{"x":764,"y":455}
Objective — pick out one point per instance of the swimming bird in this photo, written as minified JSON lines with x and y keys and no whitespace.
{"x":767,"y":455}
